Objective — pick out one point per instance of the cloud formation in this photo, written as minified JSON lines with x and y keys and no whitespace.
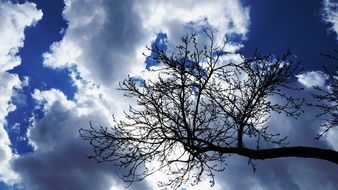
{"x":285,"y":173}
{"x":59,"y":159}
{"x":114,"y":34}
{"x":14,"y":19}
{"x":312,"y":78}
{"x":104,"y":42}
{"x":101,"y":39}
{"x":330,"y":14}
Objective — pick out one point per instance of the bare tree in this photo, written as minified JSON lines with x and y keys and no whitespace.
{"x":199,"y":111}
{"x":328,"y":98}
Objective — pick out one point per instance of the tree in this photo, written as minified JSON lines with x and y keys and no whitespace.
{"x":201,"y":110}
{"x":328,"y":98}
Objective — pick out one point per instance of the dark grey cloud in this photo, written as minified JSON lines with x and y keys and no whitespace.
{"x":59,"y":161}
{"x":116,"y":43}
{"x":279,"y":174}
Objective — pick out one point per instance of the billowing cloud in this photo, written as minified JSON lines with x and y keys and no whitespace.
{"x":330,"y":14}
{"x":14,"y":19}
{"x":59,"y":159}
{"x":312,"y":78}
{"x":104,"y":42}
{"x":176,"y":18}
{"x":101,"y":40}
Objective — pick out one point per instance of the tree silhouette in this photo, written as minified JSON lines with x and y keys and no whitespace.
{"x":200,"y":110}
{"x":328,"y":97}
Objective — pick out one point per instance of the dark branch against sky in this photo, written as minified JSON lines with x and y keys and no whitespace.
{"x":60,"y":64}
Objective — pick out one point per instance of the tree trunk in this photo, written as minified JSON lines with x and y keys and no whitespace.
{"x":297,"y":151}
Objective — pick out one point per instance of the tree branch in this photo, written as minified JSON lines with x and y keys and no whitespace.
{"x":296,"y":151}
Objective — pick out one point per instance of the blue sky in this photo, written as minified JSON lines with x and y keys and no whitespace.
{"x":73,"y":54}
{"x":37,"y":41}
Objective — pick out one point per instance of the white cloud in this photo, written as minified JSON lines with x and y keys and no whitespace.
{"x":47,"y":98}
{"x":101,"y":39}
{"x":64,"y":54}
{"x":312,"y":78}
{"x":179,"y":18}
{"x":25,"y":81}
{"x":330,"y":14}
{"x":173,"y":17}
{"x":14,"y":19}
{"x":106,"y":44}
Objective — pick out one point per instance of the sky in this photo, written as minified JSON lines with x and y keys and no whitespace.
{"x":61,"y":61}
